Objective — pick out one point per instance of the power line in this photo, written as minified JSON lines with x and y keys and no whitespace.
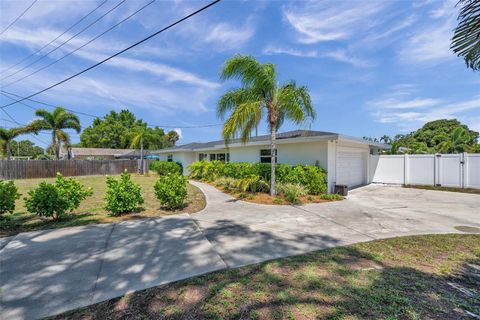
{"x":6,"y":93}
{"x":70,"y":28}
{"x":65,"y":42}
{"x":17,"y":18}
{"x":85,"y":44}
{"x":18,"y":123}
{"x":118,"y":53}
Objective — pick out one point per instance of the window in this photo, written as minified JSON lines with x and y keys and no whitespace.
{"x":265,"y":156}
{"x":202,"y":156}
{"x":221,"y":157}
{"x":212,"y":156}
{"x":170,"y":158}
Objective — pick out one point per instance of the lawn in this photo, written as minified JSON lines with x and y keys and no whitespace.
{"x":417,"y":277}
{"x":440,"y":188}
{"x":92,"y":209}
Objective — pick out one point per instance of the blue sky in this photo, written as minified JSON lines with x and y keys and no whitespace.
{"x":372,"y":67}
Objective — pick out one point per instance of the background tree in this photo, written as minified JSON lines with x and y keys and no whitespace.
{"x":25,"y":148}
{"x":466,"y":39}
{"x":57,"y":121}
{"x":116,"y":130}
{"x":260,"y":94}
{"x":172,"y":137}
{"x":386,"y":139}
{"x":455,"y":143}
{"x":7,"y":136}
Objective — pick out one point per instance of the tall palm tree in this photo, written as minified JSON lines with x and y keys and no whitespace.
{"x":56,"y":121}
{"x":453,"y":143}
{"x":7,"y":135}
{"x":260,"y":95}
{"x":386,"y":139}
{"x":466,"y":39}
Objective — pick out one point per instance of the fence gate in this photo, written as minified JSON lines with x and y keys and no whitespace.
{"x":460,"y":170}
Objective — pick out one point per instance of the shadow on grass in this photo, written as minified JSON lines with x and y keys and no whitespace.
{"x":338,"y":283}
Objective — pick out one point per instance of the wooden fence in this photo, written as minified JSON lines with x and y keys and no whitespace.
{"x":25,"y":169}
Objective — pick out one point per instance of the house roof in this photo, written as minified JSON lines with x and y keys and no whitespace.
{"x":97,"y":151}
{"x":295,"y":134}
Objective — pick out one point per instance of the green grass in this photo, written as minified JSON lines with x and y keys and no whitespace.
{"x":92,"y":209}
{"x":440,"y":188}
{"x":399,"y":278}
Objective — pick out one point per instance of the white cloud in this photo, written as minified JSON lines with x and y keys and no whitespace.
{"x":179,"y":131}
{"x":393,"y":103}
{"x":230,"y":36}
{"x":339,"y":55}
{"x":331,"y":20}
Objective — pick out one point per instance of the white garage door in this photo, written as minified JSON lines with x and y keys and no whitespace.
{"x":350,"y":168}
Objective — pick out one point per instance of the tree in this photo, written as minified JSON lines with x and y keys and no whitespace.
{"x":117,"y":129}
{"x":7,"y":136}
{"x":260,"y":94}
{"x":56,"y":121}
{"x":466,"y":39}
{"x":386,"y":139}
{"x":172,"y":137}
{"x":454,"y":143}
{"x":25,"y":148}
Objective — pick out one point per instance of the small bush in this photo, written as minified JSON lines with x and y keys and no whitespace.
{"x":277,"y":201}
{"x":72,"y":190}
{"x":292,"y":192}
{"x":122,"y":195}
{"x":330,"y":196}
{"x":46,"y":200}
{"x":8,"y":195}
{"x":164,"y":167}
{"x":252,"y":183}
{"x":228,"y":184}
{"x":312,"y":177}
{"x":171,"y":190}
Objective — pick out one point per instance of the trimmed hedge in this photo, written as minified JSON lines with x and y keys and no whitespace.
{"x":171,"y":190}
{"x":164,"y":167}
{"x":313,"y":178}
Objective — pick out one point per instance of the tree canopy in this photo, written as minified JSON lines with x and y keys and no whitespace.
{"x":444,"y":136}
{"x":118,"y":130}
{"x":25,"y":148}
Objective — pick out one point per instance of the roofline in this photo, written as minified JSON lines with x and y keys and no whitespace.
{"x":357,"y":140}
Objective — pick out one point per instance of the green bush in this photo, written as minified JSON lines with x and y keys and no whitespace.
{"x":8,"y":195}
{"x":252,"y":183}
{"x":47,"y":200}
{"x":123,"y":195}
{"x":331,"y":196}
{"x":171,"y":190}
{"x":312,"y":177}
{"x":228,"y":184}
{"x":292,"y":192}
{"x":72,"y":190}
{"x":165,"y":167}
{"x":55,"y":199}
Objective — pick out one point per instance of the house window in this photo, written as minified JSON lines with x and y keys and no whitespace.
{"x":221,"y":157}
{"x":202,"y":156}
{"x":265,"y":156}
{"x":212,"y":156}
{"x":170,"y":158}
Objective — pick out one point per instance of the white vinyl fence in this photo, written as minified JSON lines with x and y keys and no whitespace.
{"x":451,"y":170}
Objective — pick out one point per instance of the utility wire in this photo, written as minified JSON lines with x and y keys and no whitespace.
{"x":117,"y":54}
{"x":70,"y":28}
{"x":17,"y":18}
{"x":65,"y":42}
{"x":84,"y":45}
{"x":18,"y":123}
{"x":5,"y":93}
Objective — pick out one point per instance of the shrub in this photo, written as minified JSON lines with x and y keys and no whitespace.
{"x":312,"y":177}
{"x":46,"y":200}
{"x":72,"y":191}
{"x":228,"y":184}
{"x":292,"y":192}
{"x":171,"y":190}
{"x":122,"y":195}
{"x":252,"y":183}
{"x":8,"y":195}
{"x":165,"y":167}
{"x":330,"y":196}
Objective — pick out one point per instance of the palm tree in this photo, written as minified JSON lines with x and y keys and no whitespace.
{"x":56,"y":121}
{"x":7,"y":135}
{"x":386,"y":139}
{"x":260,"y":94}
{"x":454,"y":143}
{"x":137,"y":141}
{"x":466,"y":39}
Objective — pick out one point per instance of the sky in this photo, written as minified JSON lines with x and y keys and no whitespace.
{"x":372,"y":67}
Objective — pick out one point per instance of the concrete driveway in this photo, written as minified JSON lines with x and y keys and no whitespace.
{"x":47,"y":272}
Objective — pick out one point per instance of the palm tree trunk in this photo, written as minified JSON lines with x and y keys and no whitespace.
{"x":273,"y":159}
{"x":141,"y":155}
{"x":8,"y":151}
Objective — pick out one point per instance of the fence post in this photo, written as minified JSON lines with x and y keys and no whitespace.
{"x":405,"y":169}
{"x":463,"y":164}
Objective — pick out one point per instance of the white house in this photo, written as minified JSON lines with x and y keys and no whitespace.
{"x":345,"y":158}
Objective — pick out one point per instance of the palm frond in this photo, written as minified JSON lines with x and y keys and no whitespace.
{"x":250,"y":72}
{"x":295,"y":103}
{"x":242,"y":121}
{"x":466,"y":39}
{"x":235,"y":97}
